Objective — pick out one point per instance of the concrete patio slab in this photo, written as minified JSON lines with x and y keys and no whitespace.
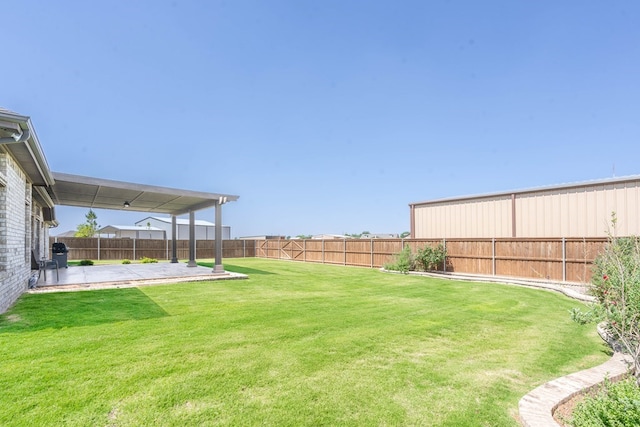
{"x":125,"y":275}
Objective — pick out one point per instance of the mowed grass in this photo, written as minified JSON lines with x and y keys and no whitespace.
{"x":294,"y":345}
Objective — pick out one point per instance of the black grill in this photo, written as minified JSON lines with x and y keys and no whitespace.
{"x":59,"y":251}
{"x":59,"y":248}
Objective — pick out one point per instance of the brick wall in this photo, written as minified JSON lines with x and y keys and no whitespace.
{"x":15,"y":232}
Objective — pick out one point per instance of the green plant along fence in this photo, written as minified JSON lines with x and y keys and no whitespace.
{"x":557,"y":259}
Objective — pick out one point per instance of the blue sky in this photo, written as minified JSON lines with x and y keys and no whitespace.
{"x":326,"y":116}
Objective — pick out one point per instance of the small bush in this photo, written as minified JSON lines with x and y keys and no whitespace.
{"x":86,"y":262}
{"x":426,"y":259}
{"x":615,"y":404}
{"x":403,"y":261}
{"x":126,"y":261}
{"x":146,"y":260}
{"x":430,"y":258}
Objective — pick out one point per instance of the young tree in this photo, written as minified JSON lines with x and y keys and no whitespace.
{"x":90,"y":227}
{"x":616,"y":287}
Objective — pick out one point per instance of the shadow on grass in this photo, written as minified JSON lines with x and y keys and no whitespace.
{"x":237,"y":269}
{"x":34,"y":312}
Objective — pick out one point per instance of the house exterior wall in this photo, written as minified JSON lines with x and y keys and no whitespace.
{"x":578,"y":210}
{"x":16,"y":237}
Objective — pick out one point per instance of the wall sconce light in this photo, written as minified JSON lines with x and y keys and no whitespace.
{"x":126,"y":204}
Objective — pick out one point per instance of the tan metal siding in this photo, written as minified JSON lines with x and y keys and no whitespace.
{"x":573,"y":212}
{"x":581,"y":211}
{"x":473,"y":218}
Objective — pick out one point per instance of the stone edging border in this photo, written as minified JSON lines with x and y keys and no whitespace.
{"x":536,"y":408}
{"x":565,"y":288}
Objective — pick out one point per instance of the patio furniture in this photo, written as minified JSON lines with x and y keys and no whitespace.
{"x":42,"y":264}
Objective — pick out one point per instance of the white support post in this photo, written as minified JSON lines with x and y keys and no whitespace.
{"x":174,"y":243}
{"x":192,"y":240}
{"x":218,"y":268}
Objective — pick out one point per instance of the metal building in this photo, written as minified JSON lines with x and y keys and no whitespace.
{"x":580,"y":209}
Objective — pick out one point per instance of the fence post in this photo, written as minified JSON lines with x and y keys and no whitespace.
{"x":344,"y":250}
{"x":134,"y":248}
{"x":564,"y":259}
{"x":98,"y":247}
{"x":304,"y":250}
{"x":371,"y":253}
{"x":493,"y":256}
{"x":323,"y":251}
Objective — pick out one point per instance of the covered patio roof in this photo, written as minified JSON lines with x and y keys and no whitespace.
{"x":88,"y":192}
{"x":19,"y":139}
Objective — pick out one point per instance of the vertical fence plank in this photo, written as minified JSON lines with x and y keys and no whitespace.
{"x":344,"y":250}
{"x":493,"y":256}
{"x":371,"y":246}
{"x":564,"y":260}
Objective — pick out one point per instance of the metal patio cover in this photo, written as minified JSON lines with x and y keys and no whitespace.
{"x":83,"y":191}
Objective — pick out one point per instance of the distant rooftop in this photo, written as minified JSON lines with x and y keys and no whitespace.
{"x":128,"y":228}
{"x":179,"y":221}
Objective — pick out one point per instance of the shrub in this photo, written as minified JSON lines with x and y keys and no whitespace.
{"x":86,"y":262}
{"x":427,"y":258}
{"x":431,"y":258}
{"x":616,"y":287}
{"x":146,"y":260}
{"x":402,"y":262}
{"x":615,"y":404}
{"x":126,"y":261}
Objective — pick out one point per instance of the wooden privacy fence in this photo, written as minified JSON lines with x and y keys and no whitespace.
{"x":557,"y":259}
{"x":133,"y":249}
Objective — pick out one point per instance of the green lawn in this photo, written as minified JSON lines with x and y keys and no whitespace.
{"x":295,"y":344}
